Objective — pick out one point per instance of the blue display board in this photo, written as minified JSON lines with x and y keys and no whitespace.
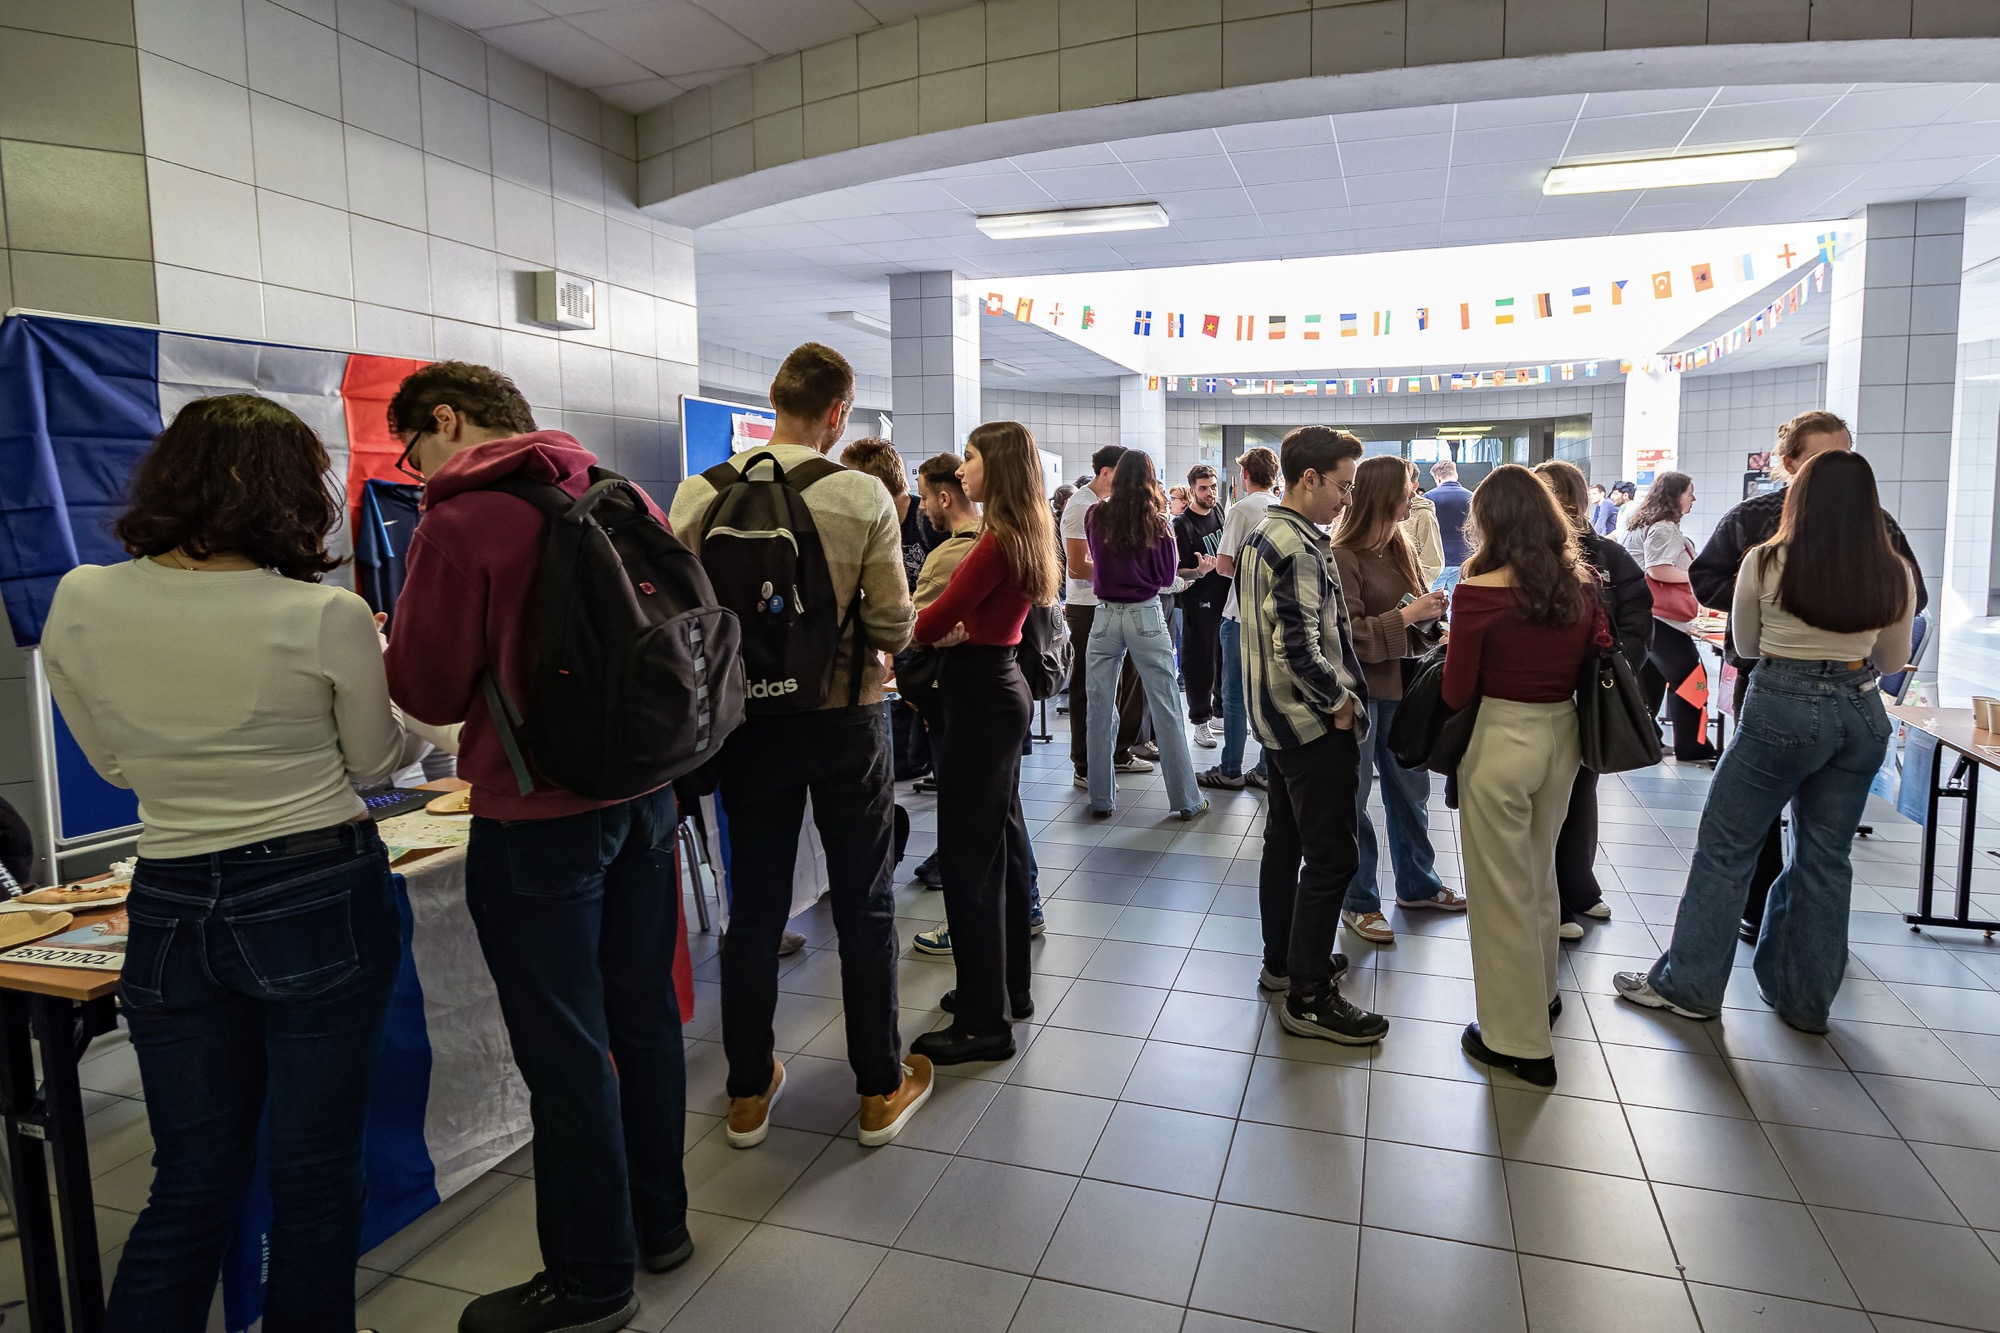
{"x":88,"y":804}
{"x":710,"y":431}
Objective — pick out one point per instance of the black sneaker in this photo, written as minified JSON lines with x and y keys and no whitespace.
{"x":669,"y":1253}
{"x":929,"y":873}
{"x":545,"y":1305}
{"x":1541,"y":1073}
{"x":1022,"y":1004}
{"x":1328,"y":1015}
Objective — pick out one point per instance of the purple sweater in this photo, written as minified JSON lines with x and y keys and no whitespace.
{"x":1120,"y":576}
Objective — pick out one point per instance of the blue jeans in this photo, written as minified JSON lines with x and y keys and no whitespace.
{"x":1235,"y":709}
{"x":265,"y":969}
{"x":1137,"y":628}
{"x":1810,"y":734}
{"x":1406,"y":795}
{"x":578,"y":918}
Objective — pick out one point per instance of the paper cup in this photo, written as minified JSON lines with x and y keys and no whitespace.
{"x":1987,"y":711}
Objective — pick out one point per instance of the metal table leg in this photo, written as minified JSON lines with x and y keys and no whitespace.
{"x":1962,"y":785}
{"x":27,"y":1165}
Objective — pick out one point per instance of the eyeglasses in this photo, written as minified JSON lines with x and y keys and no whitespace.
{"x":403,"y":463}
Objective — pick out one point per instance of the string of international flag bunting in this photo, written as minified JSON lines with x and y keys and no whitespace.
{"x":1379,"y":323}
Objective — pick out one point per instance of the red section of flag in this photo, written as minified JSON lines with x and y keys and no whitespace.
{"x":365,"y":391}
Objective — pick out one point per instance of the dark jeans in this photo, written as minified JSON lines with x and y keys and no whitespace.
{"x":982,"y":837}
{"x":1576,"y":849}
{"x":1131,"y":697}
{"x":578,"y":918}
{"x":1672,"y":659}
{"x":252,"y":972}
{"x":909,"y":738}
{"x":1310,"y":820}
{"x":1771,"y":856}
{"x":769,"y":766}
{"x":1201,"y":655}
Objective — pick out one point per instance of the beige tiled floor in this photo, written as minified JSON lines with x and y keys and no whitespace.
{"x":1160,"y":1157}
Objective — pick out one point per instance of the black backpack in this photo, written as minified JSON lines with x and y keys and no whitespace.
{"x":762,"y":551}
{"x":1045,"y":651}
{"x":637,"y":674}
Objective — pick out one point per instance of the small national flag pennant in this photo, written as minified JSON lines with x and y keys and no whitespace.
{"x":1704,"y":277}
{"x":1580,"y":300}
{"x":1142,"y":323}
{"x":1827,"y":241}
{"x":1056,"y":314}
{"x":1089,"y":317}
{"x":995,"y":303}
{"x":1348,"y":326}
{"x":1423,"y":318}
{"x":1503,"y":310}
{"x":1246,"y":327}
{"x":1152,"y":383}
{"x":1177,"y":326}
{"x":1211,"y":325}
{"x":1618,"y":291}
{"x":1746,"y":269}
{"x":1465,"y":314}
{"x":1663,"y":286}
{"x":1024,"y":309}
{"x":1788,"y":255}
{"x":1542,"y":307}
{"x":1381,"y":322}
{"x":1310,"y":328}
{"x":1274,"y":327}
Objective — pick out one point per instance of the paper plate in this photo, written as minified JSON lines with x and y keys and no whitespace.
{"x":451,"y":803}
{"x":21,"y":927}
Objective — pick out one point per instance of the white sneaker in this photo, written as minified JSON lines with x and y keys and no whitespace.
{"x":1136,"y":765}
{"x":1569,"y":930}
{"x":1204,"y":736}
{"x":1599,"y":909}
{"x":1638,"y":988}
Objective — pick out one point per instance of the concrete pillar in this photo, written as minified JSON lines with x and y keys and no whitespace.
{"x":1652,"y":426}
{"x":1892,"y":364}
{"x":1142,"y":420}
{"x":933,"y":362}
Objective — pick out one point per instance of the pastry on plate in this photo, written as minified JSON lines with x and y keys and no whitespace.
{"x":69,"y":895}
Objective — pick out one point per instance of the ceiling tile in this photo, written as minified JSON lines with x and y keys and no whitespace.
{"x":1154,"y":147}
{"x":1219,"y":229}
{"x":1213,"y":172}
{"x":1291,"y":197}
{"x":1757,"y":123}
{"x":1287,"y":165}
{"x":1089,"y":185}
{"x":1497,"y":177}
{"x":641,"y":95}
{"x":1624,"y":135}
{"x":567,"y":52}
{"x":671,"y":37}
{"x":1522,"y":143}
{"x":1395,"y":188}
{"x":1372,"y":157}
{"x":477,"y":14}
{"x":1519,"y":111}
{"x":1307,"y":222}
{"x":1224,"y":203}
{"x":1863,"y":148}
{"x":988,"y":194}
{"x":1889,"y":110}
{"x":1981,"y":105}
{"x":1516,"y":204}
{"x":786,"y":25}
{"x":1081,"y":155}
{"x":1644,"y":100}
{"x":1743,"y":94}
{"x":1397,"y":123}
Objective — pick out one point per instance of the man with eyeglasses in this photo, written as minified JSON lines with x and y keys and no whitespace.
{"x":574,"y":899}
{"x":1308,"y":705}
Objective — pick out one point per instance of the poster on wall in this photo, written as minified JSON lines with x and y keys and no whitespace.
{"x":1652,"y":462}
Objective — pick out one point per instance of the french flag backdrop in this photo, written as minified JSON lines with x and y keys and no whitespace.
{"x":80,"y":403}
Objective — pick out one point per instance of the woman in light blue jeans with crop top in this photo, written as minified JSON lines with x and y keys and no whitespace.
{"x":1826,"y":607}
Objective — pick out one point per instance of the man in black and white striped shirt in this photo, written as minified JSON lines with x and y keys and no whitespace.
{"x":1306,"y":697}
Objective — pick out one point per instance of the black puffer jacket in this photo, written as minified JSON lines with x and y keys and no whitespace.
{"x":1631,"y":599}
{"x":1753,"y":523}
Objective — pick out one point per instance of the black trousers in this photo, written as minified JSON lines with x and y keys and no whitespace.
{"x":1201,"y":655}
{"x":1131,"y":698}
{"x":769,"y":766}
{"x":1771,"y":856}
{"x":982,"y":837}
{"x":1310,"y":854}
{"x":1672,"y":660}
{"x":1576,"y":849}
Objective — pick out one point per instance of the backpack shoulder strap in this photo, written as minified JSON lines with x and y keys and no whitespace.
{"x":543,"y":495}
{"x":722,"y":476}
{"x":815,"y":469}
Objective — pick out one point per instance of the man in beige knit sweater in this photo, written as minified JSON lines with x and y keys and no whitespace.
{"x":837,"y":754}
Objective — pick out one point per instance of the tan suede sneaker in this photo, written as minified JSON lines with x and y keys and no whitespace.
{"x":750,"y":1117}
{"x":883,"y":1118}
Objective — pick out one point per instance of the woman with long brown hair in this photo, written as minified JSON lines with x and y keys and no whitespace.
{"x":1825,"y":606}
{"x":1522,"y":618}
{"x":1134,"y":555}
{"x":982,"y":837}
{"x":1655,"y":539}
{"x":1394,"y":619}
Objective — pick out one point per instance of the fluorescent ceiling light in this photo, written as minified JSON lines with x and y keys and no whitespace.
{"x":999,"y":367}
{"x":1071,"y":221}
{"x":866,"y":323}
{"x":1470,"y":432}
{"x":1657,"y":173}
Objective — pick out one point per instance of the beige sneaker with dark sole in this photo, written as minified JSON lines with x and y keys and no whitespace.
{"x":883,"y":1118}
{"x":750,"y":1117}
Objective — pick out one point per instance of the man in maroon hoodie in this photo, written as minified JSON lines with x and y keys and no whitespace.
{"x":575,"y":900}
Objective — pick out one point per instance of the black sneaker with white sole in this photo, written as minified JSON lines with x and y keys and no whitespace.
{"x":546,"y":1305}
{"x":1277,"y":979}
{"x":1328,"y":1015}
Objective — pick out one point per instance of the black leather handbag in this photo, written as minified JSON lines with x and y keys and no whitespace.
{"x":1427,"y":732}
{"x":1614,"y":728}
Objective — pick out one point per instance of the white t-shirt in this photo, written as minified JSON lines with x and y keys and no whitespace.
{"x":237,"y":704}
{"x":1244,"y":516}
{"x":1081,"y":593}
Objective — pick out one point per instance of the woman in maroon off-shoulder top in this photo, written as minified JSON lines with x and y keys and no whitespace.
{"x":1522,"y":618}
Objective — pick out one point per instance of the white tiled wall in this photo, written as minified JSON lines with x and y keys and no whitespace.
{"x":737,"y":373}
{"x":352,"y":173}
{"x":934,"y":361}
{"x":1074,"y":425}
{"x":1970,"y":576}
{"x":1726,"y":418}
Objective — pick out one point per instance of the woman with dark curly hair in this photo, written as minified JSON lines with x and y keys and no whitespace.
{"x":240,"y":698}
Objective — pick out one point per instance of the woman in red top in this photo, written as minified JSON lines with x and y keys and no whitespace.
{"x":1523,"y":615}
{"x":982,"y":838}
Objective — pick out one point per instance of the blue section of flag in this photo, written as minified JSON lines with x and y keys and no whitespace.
{"x":79,"y":406}
{"x":1142,"y":323}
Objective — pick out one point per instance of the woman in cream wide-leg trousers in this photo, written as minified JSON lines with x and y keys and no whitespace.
{"x":1513,"y":792}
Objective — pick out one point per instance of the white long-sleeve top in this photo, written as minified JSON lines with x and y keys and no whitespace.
{"x":237,"y":704}
{"x":1761,"y":627}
